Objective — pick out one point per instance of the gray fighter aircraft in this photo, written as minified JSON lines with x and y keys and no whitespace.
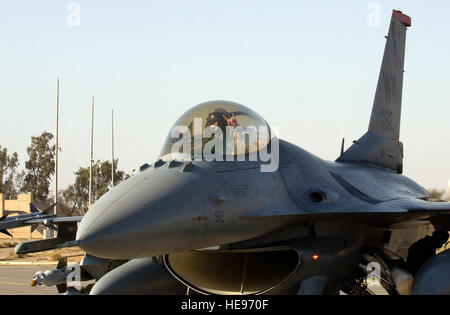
{"x":11,"y":222}
{"x":308,"y":226}
{"x":37,"y":217}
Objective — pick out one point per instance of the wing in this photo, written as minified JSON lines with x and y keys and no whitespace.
{"x":394,"y":213}
{"x":57,"y":220}
{"x":66,"y":233}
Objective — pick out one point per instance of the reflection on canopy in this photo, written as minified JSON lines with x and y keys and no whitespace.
{"x":218,"y":127}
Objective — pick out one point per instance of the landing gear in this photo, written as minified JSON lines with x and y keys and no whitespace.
{"x":383,"y":268}
{"x":357,"y":286}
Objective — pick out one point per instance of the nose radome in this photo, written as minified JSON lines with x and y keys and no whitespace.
{"x":130,"y":220}
{"x":120,"y":231}
{"x":100,"y":209}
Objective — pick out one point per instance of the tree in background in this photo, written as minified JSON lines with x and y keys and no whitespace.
{"x":8,"y":165}
{"x":436,"y":194}
{"x":74,"y":199}
{"x":40,"y":167}
{"x":446,"y":196}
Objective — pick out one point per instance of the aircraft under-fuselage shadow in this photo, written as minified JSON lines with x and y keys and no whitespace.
{"x":226,"y":227}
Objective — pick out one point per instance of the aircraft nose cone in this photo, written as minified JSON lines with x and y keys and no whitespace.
{"x":141,"y":217}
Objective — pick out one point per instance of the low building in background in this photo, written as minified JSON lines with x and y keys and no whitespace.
{"x":18,"y":206}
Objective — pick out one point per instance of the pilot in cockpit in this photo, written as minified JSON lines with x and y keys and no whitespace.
{"x":236,"y":125}
{"x":214,"y":121}
{"x":221,"y":119}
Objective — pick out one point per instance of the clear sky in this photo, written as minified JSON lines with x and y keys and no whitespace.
{"x":309,"y":67}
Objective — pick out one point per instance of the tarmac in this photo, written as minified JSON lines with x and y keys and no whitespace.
{"x":15,"y":280}
{"x":16,"y":273}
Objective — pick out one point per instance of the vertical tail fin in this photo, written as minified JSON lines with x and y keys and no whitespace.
{"x":380,"y":146}
{"x":386,"y":111}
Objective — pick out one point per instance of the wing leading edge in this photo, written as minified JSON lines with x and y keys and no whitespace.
{"x":389,"y":214}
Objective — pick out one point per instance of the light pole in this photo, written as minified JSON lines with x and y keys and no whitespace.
{"x":49,"y":233}
{"x":92,"y":153}
{"x":112,"y":148}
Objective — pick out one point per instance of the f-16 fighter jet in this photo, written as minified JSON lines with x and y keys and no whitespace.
{"x":229,"y":208}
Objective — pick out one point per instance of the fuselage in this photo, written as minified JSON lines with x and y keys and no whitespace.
{"x":175,"y":206}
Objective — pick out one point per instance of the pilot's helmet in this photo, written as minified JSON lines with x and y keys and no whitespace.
{"x":441,"y":237}
{"x":217,"y":117}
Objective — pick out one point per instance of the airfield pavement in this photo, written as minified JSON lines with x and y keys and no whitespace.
{"x":15,"y":280}
{"x":16,"y":272}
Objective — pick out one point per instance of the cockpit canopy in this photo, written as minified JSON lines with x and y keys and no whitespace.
{"x":217,"y":128}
